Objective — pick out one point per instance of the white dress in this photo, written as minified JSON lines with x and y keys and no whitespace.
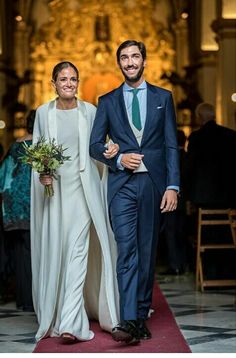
{"x":71,"y":312}
{"x":67,"y":286}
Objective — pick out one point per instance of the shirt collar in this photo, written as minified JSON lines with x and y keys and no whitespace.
{"x":143,"y":85}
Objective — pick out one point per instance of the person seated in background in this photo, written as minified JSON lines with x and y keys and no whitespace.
{"x":15,"y":180}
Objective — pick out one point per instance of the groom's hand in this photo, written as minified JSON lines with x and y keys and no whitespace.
{"x":169,"y":201}
{"x":111,"y":151}
{"x":131,"y":160}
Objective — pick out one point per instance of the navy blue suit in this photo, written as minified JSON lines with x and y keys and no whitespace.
{"x":134,"y":198}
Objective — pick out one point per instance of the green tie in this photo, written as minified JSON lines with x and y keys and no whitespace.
{"x":135,"y":110}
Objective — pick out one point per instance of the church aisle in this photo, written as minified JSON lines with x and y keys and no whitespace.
{"x":207,"y":321}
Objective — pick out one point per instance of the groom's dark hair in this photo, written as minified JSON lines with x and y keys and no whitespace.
{"x":129,"y":43}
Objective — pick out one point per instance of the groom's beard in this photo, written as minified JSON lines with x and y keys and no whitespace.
{"x":133,"y":79}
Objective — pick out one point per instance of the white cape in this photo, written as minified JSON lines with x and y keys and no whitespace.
{"x":100,"y":291}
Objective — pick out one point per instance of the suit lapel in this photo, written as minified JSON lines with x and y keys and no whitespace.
{"x":153,"y":101}
{"x":119,"y":104}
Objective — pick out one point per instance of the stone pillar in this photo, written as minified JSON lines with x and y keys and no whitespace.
{"x":207,"y":77}
{"x":226,"y":71}
{"x":206,"y":48}
{"x":182,"y":60}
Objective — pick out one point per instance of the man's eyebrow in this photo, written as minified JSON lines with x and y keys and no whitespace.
{"x":132,"y":54}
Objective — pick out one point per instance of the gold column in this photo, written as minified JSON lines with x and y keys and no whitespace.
{"x":22,"y":58}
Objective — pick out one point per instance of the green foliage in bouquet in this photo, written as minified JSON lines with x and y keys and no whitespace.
{"x":45,"y":157}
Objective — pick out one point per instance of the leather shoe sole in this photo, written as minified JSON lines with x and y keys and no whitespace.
{"x":121,"y":336}
{"x":125,"y":332}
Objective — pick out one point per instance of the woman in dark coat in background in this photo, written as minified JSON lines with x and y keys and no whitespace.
{"x":15,"y":180}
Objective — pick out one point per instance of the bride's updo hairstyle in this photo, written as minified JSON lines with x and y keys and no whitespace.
{"x":60,"y":66}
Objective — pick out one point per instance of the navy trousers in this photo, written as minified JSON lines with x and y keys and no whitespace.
{"x":135,"y":218}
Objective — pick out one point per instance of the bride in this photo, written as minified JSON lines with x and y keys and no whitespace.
{"x":73,"y":256}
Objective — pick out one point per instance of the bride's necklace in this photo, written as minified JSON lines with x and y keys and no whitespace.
{"x":66,"y":105}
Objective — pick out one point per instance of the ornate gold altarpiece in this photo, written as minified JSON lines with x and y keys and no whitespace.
{"x":88,"y":33}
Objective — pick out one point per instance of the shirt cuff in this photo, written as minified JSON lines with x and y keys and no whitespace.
{"x":118,"y":163}
{"x":173,"y":187}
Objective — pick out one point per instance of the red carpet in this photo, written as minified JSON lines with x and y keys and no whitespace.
{"x":166,"y":336}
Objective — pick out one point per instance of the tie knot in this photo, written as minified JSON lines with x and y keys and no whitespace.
{"x":135,"y":91}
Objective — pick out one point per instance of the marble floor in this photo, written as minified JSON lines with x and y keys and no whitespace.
{"x":207,"y":320}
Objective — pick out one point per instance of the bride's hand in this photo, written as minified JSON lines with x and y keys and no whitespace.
{"x":111,"y":150}
{"x":45,"y":179}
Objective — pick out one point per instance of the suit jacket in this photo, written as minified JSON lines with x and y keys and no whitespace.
{"x":211,"y":170}
{"x":159,"y":143}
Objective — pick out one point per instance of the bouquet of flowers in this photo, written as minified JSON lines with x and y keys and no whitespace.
{"x":45,"y":157}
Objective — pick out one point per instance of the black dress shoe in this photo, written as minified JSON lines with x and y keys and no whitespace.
{"x":126,"y":331}
{"x":144,"y":332}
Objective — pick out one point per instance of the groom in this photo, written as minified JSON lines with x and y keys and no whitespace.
{"x":143,"y":181}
